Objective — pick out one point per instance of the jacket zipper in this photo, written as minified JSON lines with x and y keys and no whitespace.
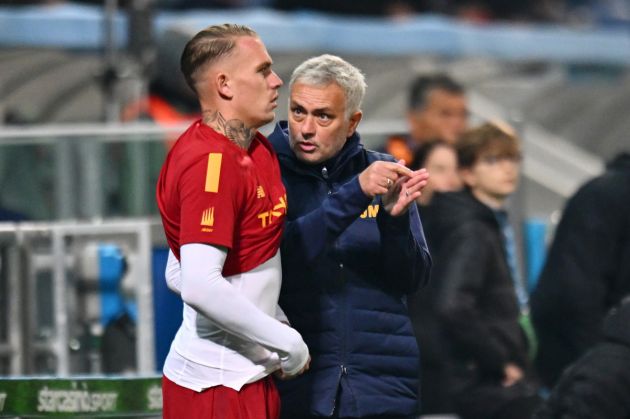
{"x":344,"y":371}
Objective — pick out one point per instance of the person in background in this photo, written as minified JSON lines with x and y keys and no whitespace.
{"x":440,"y":159}
{"x":586,"y":272}
{"x":479,"y":298}
{"x":597,"y":385}
{"x":353,"y":249}
{"x":437,"y":109}
{"x":223,"y":206}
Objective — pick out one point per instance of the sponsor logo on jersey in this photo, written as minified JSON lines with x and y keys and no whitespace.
{"x":213,"y":173}
{"x":370,"y":212}
{"x":207,"y":220}
{"x":267,"y":217}
{"x":260,"y":192}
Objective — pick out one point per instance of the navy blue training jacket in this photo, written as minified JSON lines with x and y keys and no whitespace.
{"x":347,"y":267}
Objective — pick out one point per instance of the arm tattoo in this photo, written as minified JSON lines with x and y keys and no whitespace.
{"x":234,"y":129}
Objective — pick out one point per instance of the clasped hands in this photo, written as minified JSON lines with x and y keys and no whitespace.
{"x":397,"y":185}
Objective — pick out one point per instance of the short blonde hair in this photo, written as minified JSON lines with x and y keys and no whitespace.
{"x":209,"y":45}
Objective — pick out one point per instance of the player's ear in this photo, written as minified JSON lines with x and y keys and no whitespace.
{"x":224,"y":85}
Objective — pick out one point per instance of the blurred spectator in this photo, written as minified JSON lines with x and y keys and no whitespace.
{"x":598,"y":384}
{"x":213,"y":4}
{"x":437,"y":109}
{"x":471,"y":10}
{"x":30,"y":2}
{"x":515,"y":10}
{"x":599,"y":12}
{"x":480,"y":348}
{"x":587,"y":270}
{"x":606,"y":12}
{"x":440,"y":160}
{"x":169,"y":4}
{"x":395,"y":8}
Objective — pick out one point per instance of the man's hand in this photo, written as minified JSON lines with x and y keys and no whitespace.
{"x":512,"y":374}
{"x":379,"y":177}
{"x":404,"y":192}
{"x":283,"y":376}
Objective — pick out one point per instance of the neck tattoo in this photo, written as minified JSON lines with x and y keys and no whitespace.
{"x":234,"y":129}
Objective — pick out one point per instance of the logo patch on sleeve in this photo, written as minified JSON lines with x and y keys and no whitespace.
{"x":207,"y":220}
{"x":213,"y":173}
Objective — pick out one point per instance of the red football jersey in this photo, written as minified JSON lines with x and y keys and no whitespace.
{"x":212,"y":191}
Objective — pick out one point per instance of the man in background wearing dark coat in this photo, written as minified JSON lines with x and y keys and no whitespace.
{"x":598,"y":384}
{"x":587,"y":270}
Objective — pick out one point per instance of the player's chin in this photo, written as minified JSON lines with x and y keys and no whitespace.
{"x":268,"y":117}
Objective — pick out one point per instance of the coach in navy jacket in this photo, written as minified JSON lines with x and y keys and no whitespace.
{"x":347,"y":263}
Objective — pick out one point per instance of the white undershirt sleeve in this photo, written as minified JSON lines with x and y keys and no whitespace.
{"x":280,"y":316}
{"x":173,"y":274}
{"x":204,"y":288}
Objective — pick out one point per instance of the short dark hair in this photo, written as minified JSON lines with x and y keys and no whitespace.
{"x":486,"y":139}
{"x":207,"y":46}
{"x":426,"y":83}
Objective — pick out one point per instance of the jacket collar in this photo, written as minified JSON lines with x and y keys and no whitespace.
{"x":279,"y":138}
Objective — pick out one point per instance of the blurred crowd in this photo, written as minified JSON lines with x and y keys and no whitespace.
{"x":492,"y":347}
{"x":479,"y":11}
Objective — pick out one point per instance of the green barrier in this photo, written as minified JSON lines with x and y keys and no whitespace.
{"x":81,"y":397}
